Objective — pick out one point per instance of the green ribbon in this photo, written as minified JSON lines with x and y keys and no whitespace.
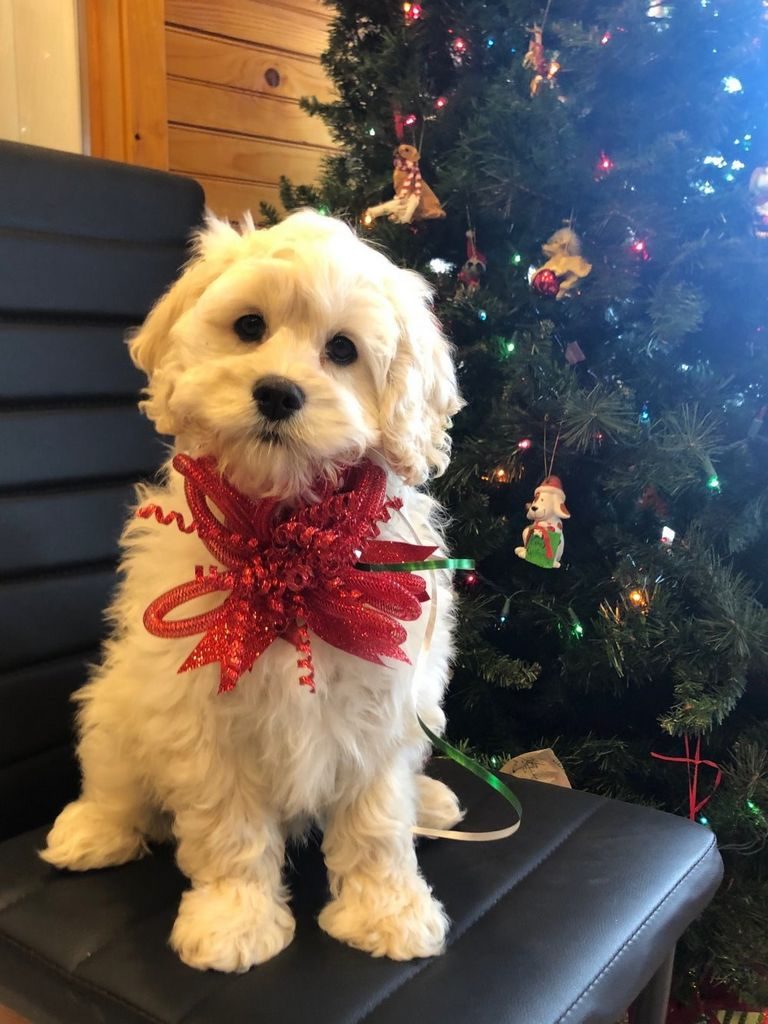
{"x":434,"y":563}
{"x":472,"y":766}
{"x":442,"y":745}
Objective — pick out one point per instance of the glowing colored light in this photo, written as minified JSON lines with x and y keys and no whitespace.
{"x":525,"y":444}
{"x":732,"y":84}
{"x":637,"y":597}
{"x":323,"y":211}
{"x":516,"y":260}
{"x":640,"y":248}
{"x":685,"y":367}
{"x":577,"y":630}
{"x":703,"y":820}
{"x":752,"y":806}
{"x":440,"y":266}
{"x":411,"y":11}
{"x":470,"y":577}
{"x":605,"y":163}
{"x":482,"y":315}
{"x":606,"y":39}
{"x":490,"y":42}
{"x":371,"y":131}
{"x":713,"y":483}
{"x":502,"y":618}
{"x":459,"y":45}
{"x":645,"y":415}
{"x":440,"y":102}
{"x":510,"y":347}
{"x":410,"y":121}
{"x":368,"y":219}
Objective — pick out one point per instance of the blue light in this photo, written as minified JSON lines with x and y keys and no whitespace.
{"x":732,"y":84}
{"x":482,"y":315}
{"x":729,"y":176}
{"x":513,"y":49}
{"x":490,"y":42}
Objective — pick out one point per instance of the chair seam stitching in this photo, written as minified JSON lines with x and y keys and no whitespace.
{"x":80,"y":981}
{"x":625,"y":945}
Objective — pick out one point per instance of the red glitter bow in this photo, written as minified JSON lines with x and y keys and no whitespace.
{"x":289,"y":571}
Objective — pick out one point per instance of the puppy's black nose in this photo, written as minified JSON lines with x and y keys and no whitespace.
{"x":277,"y":397}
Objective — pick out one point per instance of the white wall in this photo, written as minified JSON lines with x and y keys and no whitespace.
{"x":40,"y":94}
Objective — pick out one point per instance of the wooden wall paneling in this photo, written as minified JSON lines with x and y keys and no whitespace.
{"x":210,"y":106}
{"x":286,"y":28}
{"x":231,"y":62}
{"x":231,"y":199}
{"x":126,"y":77}
{"x":199,"y":152}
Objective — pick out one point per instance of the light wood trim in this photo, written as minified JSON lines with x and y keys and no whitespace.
{"x":211,"y":106}
{"x":283,"y":28}
{"x":125,"y":53}
{"x":9,"y":1017}
{"x":205,"y":58}
{"x":199,"y":152}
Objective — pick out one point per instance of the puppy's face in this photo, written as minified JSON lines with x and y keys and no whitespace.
{"x":289,"y":352}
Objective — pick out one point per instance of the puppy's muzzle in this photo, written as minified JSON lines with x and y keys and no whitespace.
{"x":278,"y":398}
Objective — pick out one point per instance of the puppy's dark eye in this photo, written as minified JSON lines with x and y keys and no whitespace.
{"x":341,"y":350}
{"x":251,"y":327}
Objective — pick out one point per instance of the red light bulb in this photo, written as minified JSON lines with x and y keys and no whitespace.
{"x":525,"y":444}
{"x":470,"y":578}
{"x":410,"y":121}
{"x":605,"y":163}
{"x":606,"y":39}
{"x":440,"y":102}
{"x":459,"y":45}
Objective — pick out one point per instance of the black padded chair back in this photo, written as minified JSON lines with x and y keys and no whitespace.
{"x":86,"y":246}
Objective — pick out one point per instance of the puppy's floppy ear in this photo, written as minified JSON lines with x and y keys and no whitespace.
{"x":213,"y":249}
{"x":420,"y":393}
{"x":151,"y":345}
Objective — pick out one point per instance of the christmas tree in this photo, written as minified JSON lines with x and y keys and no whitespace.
{"x":586,"y":188}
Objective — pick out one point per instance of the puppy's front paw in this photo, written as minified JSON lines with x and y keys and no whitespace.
{"x":86,"y":836}
{"x":438,"y":806}
{"x":230,"y":926}
{"x":401,"y":921}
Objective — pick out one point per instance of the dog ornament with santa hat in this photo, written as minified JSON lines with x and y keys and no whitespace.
{"x":543,"y":543}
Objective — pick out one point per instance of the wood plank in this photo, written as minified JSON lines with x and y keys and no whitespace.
{"x":287,"y":29}
{"x":242,"y":65}
{"x":198,"y":152}
{"x":125,"y":52}
{"x":211,"y":106}
{"x":9,"y":1017}
{"x":230,"y":199}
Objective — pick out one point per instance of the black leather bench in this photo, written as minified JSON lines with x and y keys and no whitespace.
{"x":570,"y":920}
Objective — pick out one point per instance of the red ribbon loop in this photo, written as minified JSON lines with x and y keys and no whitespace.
{"x":289,"y":572}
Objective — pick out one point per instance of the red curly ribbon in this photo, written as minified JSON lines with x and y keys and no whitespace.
{"x":289,"y":571}
{"x":694,"y":804}
{"x":147,"y":511}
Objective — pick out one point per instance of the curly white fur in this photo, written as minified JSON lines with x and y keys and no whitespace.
{"x":236,"y":774}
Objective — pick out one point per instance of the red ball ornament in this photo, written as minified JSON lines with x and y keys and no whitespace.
{"x":545,"y":282}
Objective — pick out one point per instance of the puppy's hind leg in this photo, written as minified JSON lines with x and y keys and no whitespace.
{"x":107,"y":825}
{"x":437,"y":806}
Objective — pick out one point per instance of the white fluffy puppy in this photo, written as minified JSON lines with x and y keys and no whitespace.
{"x":286,"y":354}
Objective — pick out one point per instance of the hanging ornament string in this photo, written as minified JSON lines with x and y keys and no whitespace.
{"x":693,"y":764}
